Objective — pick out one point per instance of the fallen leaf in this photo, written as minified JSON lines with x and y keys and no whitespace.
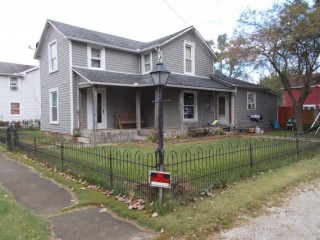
{"x":102,"y":210}
{"x":155,"y":214}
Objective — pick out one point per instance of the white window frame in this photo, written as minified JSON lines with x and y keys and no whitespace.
{"x":53,"y":56}
{"x":144,"y":62}
{"x":192,"y":46}
{"x":309,"y":107}
{"x":13,"y":86}
{"x":52,"y":90}
{"x":102,"y":56}
{"x":195,"y":95}
{"x":20,"y":109}
{"x":254,"y":103}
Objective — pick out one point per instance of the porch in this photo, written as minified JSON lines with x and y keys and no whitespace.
{"x":124,"y":135}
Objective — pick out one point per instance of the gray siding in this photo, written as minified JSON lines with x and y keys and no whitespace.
{"x":171,"y":108}
{"x":171,"y":117}
{"x":266,"y":106}
{"x":119,"y":100}
{"x":204,"y":114}
{"x":147,"y":107}
{"x":117,"y":61}
{"x":79,"y":54}
{"x":120,"y":61}
{"x":59,"y":79}
{"x":173,"y":56}
{"x":84,"y":119}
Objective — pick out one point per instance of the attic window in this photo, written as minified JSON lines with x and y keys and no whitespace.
{"x":251,"y":101}
{"x":14,"y":84}
{"x":189,"y":57}
{"x":96,"y":57}
{"x":53,"y":56}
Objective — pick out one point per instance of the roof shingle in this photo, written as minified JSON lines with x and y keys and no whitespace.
{"x":182,"y":81}
{"x":12,"y":68}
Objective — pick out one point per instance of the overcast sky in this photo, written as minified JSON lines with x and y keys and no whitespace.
{"x":22,"y":21}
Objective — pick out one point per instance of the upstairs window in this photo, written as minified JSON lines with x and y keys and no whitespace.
{"x":15,"y":109}
{"x":189,"y":58}
{"x":251,"y":101}
{"x":54,"y":108}
{"x":190,"y":106}
{"x":14,"y":84}
{"x":147,"y":65}
{"x":53,"y":56}
{"x":96,"y":57}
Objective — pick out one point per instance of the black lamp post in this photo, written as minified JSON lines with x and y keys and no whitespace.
{"x":160,"y":76}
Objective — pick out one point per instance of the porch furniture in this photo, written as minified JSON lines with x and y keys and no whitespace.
{"x":196,"y":128}
{"x":123,"y":120}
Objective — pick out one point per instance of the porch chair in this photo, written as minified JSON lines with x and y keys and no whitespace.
{"x":291,"y":123}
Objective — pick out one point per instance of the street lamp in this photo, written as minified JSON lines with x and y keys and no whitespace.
{"x":160,"y":76}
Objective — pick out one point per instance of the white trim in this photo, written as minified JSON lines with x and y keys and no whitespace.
{"x":144,"y":63}
{"x":192,"y":46}
{"x":20,"y":109}
{"x":255,"y":101}
{"x":50,"y":105}
{"x":50,"y":57}
{"x":71,"y":89}
{"x":102,"y":57}
{"x":195,"y":104}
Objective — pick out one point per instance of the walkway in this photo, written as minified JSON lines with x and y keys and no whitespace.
{"x":47,"y":198}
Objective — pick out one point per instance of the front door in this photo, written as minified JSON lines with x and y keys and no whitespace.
{"x":223,"y":108}
{"x":101,"y":108}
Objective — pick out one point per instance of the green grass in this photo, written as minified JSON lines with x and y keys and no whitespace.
{"x":200,"y":162}
{"x":206,"y":215}
{"x":17,"y":222}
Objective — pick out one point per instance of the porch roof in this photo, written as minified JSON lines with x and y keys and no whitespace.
{"x":107,"y":78}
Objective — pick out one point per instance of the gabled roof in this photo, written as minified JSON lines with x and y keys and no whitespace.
{"x":121,"y":79}
{"x":71,"y":32}
{"x":13,"y":68}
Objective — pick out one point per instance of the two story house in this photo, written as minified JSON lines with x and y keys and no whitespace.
{"x":89,"y":77}
{"x":19,"y":92}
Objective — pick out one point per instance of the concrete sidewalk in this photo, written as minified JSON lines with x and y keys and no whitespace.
{"x":47,"y":198}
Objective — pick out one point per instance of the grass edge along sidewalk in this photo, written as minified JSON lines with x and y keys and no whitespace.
{"x":204,"y":216}
{"x":18,"y":222}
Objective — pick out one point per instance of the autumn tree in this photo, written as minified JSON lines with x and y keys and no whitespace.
{"x":229,"y":61}
{"x":286,"y":40}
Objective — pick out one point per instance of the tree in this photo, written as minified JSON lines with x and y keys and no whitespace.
{"x":286,"y":40}
{"x":230,"y":62}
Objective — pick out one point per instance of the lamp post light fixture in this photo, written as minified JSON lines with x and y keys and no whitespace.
{"x":160,"y":76}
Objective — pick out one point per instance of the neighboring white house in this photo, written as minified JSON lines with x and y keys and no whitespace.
{"x":19,"y":92}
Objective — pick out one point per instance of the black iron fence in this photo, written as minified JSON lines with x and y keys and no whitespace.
{"x":192,"y":171}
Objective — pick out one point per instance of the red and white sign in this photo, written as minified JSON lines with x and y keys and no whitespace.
{"x":160,"y":179}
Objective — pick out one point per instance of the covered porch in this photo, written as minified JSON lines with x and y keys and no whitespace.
{"x":102,"y":104}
